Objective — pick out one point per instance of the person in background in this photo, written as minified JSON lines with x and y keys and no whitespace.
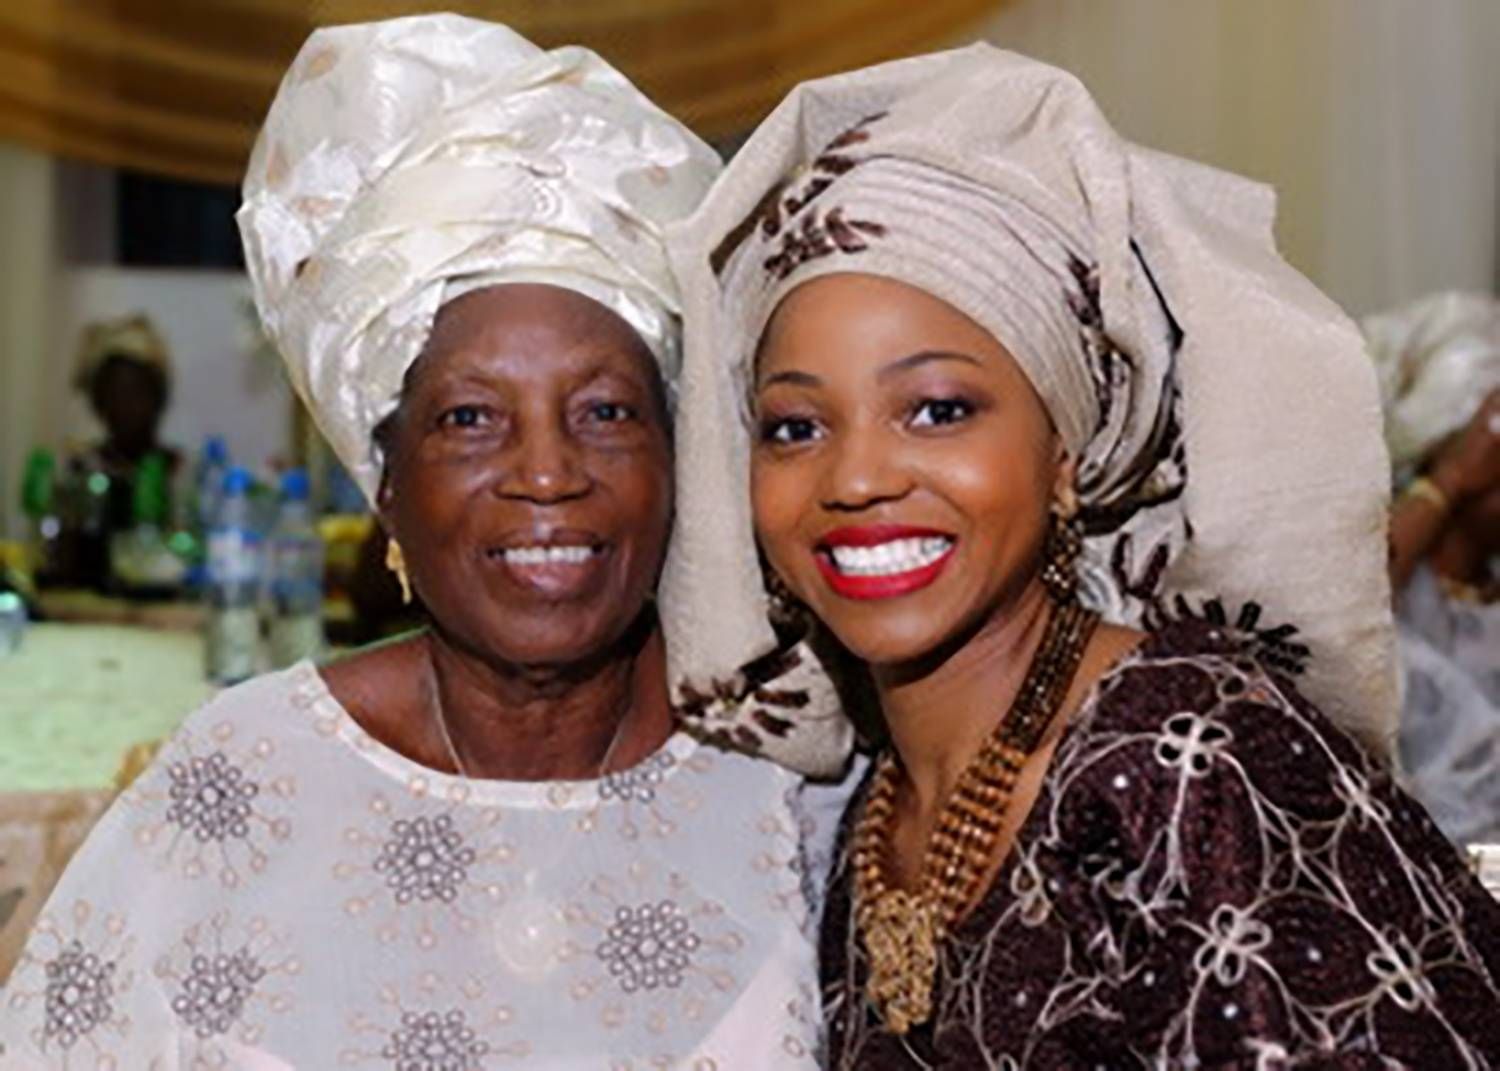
{"x":1438,"y":361}
{"x":124,"y":369}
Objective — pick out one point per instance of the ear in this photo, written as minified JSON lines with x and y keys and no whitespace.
{"x":1065,"y":484}
{"x":385,"y":497}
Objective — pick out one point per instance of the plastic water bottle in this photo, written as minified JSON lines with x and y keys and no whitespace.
{"x":12,"y":620}
{"x":213,"y":463}
{"x":295,"y":601}
{"x":141,"y":561}
{"x":235,"y":568}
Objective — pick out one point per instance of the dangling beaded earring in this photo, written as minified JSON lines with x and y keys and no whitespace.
{"x":1060,"y":557}
{"x":395,"y":561}
{"x":787,"y":612}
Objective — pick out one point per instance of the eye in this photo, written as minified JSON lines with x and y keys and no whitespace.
{"x":610,"y":412}
{"x":463,"y":416}
{"x":935,"y":412}
{"x":788,"y":430}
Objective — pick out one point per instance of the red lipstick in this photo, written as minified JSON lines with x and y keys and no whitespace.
{"x":885,"y":585}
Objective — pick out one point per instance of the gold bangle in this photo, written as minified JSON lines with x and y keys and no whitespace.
{"x":1428,"y":491}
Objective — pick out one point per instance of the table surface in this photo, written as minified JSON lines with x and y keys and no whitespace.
{"x":75,"y":697}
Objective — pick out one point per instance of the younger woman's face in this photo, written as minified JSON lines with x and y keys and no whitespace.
{"x":903,"y":466}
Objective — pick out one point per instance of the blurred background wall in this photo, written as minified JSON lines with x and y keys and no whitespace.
{"x":1378,"y":121}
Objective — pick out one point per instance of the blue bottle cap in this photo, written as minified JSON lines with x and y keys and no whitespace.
{"x":295,"y":486}
{"x":216,"y":450}
{"x":237,"y":481}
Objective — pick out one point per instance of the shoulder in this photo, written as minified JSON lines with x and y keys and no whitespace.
{"x":1215,"y":685}
{"x":811,"y":808}
{"x":379,"y":684}
{"x":825,"y":795}
{"x":263,"y":701}
{"x":1195,"y":728}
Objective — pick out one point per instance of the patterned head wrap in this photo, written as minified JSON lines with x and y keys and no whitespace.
{"x":1437,"y":359}
{"x":1224,"y":417}
{"x":406,"y":162}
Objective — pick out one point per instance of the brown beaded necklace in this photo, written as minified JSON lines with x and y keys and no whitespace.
{"x":901,"y":930}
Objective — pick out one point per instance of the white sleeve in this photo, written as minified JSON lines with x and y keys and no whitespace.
{"x":821,"y":806}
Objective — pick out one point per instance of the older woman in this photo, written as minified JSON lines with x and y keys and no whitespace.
{"x":994,"y":373}
{"x":483,"y":844}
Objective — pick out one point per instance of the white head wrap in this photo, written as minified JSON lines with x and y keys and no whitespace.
{"x":406,"y":162}
{"x":1437,"y":359}
{"x":1224,"y":415}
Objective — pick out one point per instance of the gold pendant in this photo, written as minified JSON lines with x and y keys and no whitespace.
{"x":900,"y":931}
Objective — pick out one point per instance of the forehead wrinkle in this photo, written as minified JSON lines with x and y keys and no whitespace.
{"x":581,"y":352}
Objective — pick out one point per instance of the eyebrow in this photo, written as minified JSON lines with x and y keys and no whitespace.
{"x":916,"y":360}
{"x":792,"y":376}
{"x":904,"y":364}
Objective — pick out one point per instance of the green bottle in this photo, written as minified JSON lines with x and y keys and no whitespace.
{"x":39,"y":504}
{"x":151,"y":498}
{"x":38,"y":484}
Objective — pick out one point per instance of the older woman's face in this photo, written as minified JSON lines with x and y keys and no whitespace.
{"x":903,"y":466}
{"x":529,"y":477}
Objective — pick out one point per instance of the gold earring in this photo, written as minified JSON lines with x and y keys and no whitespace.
{"x":395,"y":561}
{"x":787,"y":611}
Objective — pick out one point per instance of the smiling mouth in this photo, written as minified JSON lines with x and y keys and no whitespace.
{"x":890,"y":559}
{"x":563,"y":554}
{"x":568,"y":568}
{"x":882,"y":562}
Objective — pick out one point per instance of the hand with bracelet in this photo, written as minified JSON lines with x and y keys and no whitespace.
{"x":1451,"y":514}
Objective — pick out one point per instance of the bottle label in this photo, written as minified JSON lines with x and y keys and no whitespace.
{"x":233,"y":556}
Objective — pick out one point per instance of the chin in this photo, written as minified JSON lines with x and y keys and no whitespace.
{"x":891,"y":637}
{"x":543,"y":639}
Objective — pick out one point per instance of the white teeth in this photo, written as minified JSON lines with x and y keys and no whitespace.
{"x":890,"y":559}
{"x":547,"y":555}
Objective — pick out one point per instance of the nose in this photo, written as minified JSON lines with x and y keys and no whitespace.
{"x":863,"y":470}
{"x":545,"y":465}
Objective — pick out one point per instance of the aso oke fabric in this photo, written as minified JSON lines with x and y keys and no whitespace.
{"x":1253,"y":487}
{"x":404,"y":162}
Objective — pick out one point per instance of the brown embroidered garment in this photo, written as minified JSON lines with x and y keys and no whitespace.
{"x":1213,"y":876}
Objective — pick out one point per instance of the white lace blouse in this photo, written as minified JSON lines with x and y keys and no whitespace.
{"x":281,"y":891}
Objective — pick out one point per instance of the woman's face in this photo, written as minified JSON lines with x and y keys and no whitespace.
{"x":903,"y":466}
{"x":528,"y":475}
{"x":129,"y":398}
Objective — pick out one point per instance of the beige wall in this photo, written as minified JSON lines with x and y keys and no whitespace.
{"x":27,"y":266}
{"x":1378,"y":121}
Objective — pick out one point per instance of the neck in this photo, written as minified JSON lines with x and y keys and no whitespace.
{"x":131,"y":451}
{"x":939,"y":710}
{"x":552,"y":723}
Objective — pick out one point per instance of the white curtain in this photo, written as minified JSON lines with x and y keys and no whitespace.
{"x":1378,"y":121}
